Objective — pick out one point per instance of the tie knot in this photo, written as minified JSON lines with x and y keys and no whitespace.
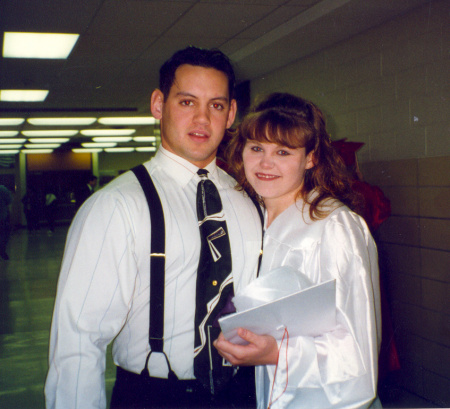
{"x":203,"y":173}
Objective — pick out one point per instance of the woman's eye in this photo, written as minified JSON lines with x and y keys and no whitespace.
{"x":283,"y":153}
{"x":256,"y":148}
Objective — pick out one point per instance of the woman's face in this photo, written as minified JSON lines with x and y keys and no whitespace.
{"x":275,"y":172}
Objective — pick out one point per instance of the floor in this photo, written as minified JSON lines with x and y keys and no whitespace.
{"x":27,"y":290}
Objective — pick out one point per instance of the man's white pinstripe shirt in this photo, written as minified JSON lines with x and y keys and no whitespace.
{"x":103,"y":288}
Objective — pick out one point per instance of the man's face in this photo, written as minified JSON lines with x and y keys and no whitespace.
{"x":195,"y":114}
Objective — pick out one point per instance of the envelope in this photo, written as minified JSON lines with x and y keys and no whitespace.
{"x":308,"y":312}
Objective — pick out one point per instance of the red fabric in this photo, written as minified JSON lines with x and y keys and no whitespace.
{"x":347,"y":150}
{"x":377,"y":207}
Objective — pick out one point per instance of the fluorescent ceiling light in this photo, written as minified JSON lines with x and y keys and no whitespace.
{"x":88,"y":150}
{"x":37,"y":151}
{"x":8,"y":133}
{"x":130,"y":120}
{"x":11,"y":121}
{"x":118,"y":150}
{"x":144,"y":139}
{"x":8,"y":152}
{"x":42,"y":145}
{"x":12,"y":140}
{"x":99,"y":145}
{"x":38,"y":45}
{"x":107,"y":132}
{"x":49,"y":140}
{"x":112,"y":139}
{"x":61,"y":121}
{"x":18,"y":95}
{"x":67,"y":132}
{"x":146,"y":149}
{"x":8,"y":146}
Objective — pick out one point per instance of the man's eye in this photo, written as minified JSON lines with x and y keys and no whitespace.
{"x":217,"y":106}
{"x":186,"y":103}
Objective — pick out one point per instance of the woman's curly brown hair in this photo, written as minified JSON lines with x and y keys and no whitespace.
{"x":291,"y":121}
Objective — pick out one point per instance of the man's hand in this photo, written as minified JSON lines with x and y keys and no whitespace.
{"x":261,"y":349}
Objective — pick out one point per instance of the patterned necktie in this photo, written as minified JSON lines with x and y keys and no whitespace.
{"x":214,"y":286}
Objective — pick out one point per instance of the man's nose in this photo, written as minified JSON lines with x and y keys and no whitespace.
{"x":202,"y":115}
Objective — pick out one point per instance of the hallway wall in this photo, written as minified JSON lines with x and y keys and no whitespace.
{"x":389,"y":88}
{"x":414,"y":248}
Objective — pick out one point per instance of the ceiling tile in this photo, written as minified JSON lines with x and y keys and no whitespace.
{"x":276,"y":18}
{"x":138,"y":17}
{"x":205,"y":20}
{"x":110,"y":47}
{"x":53,"y":16}
{"x":31,"y":74}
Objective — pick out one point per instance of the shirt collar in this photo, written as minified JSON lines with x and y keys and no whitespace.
{"x":181,"y":169}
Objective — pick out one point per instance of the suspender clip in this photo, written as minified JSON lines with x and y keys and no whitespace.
{"x":158,"y":255}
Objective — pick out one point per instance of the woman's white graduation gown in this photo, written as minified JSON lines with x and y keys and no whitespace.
{"x":337,"y":369}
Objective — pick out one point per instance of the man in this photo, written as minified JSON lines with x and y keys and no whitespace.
{"x":50,"y":209}
{"x":85,"y":190}
{"x":103,"y":289}
{"x":5,"y":225}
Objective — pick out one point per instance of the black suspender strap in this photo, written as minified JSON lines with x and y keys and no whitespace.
{"x":157,"y":259}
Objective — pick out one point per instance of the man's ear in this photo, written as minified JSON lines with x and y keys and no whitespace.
{"x":156,"y":103}
{"x":232,"y":113}
{"x":310,"y":160}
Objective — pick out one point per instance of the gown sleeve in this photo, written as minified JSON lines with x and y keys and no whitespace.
{"x":337,"y":368}
{"x":95,"y":289}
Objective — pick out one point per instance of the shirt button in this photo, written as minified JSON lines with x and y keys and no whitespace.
{"x":214,"y":283}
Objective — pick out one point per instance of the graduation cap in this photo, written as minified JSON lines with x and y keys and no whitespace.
{"x":347,"y":150}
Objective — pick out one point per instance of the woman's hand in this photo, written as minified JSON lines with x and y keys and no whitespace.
{"x":261,"y":349}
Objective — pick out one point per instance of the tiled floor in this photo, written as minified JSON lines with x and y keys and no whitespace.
{"x":27,"y":290}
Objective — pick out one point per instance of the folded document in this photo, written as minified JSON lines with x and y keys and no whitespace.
{"x":308,"y":312}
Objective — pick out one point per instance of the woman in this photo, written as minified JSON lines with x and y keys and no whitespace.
{"x":283,"y":156}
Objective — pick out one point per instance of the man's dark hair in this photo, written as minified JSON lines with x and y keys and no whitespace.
{"x":198,"y":57}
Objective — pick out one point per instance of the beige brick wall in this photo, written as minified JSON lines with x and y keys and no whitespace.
{"x":389,"y":87}
{"x":414,"y":246}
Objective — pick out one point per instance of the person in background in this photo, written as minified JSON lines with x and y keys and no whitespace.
{"x":103,"y":291}
{"x":5,"y":222}
{"x":85,"y":190}
{"x":50,"y":207}
{"x":282,"y":155}
{"x":31,"y":208}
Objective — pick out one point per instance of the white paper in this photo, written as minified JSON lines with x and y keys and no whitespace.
{"x":308,"y":312}
{"x":277,"y":283}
